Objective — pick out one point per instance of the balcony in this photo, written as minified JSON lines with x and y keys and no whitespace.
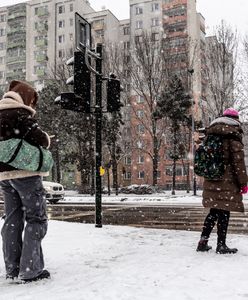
{"x":18,"y":74}
{"x":15,"y":59}
{"x":21,"y":43}
{"x":15,"y":30}
{"x":42,"y":27}
{"x":20,"y":14}
{"x":42,"y":12}
{"x":41,"y":58}
{"x":40,"y":72}
{"x":41,"y":43}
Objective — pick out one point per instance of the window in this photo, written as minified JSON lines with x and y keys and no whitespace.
{"x":179,"y":171}
{"x":71,"y":7}
{"x":140,"y":114}
{"x":155,"y":36}
{"x":127,"y":175}
{"x":127,"y":146}
{"x":41,"y":11}
{"x":155,"y":6}
{"x":99,"y":33}
{"x":61,"y":9}
{"x":2,"y":60}
{"x":155,"y":22}
{"x":140,"y":128}
{"x":71,"y":22}
{"x":127,"y":160}
{"x":61,"y":39}
{"x":2,"y":18}
{"x":127,"y":59}
{"x":158,"y":174}
{"x":2,"y":46}
{"x":61,"y":23}
{"x":98,"y":23}
{"x":140,"y":144}
{"x":138,"y":39}
{"x":141,"y":174}
{"x":71,"y":36}
{"x":168,"y":171}
{"x":126,"y":87}
{"x":40,"y":40}
{"x":126,"y":73}
{"x":61,"y":53}
{"x":139,"y":10}
{"x":1,"y":74}
{"x":141,"y":159}
{"x":2,"y":31}
{"x":126,"y":30}
{"x":139,"y":24}
{"x":126,"y":45}
{"x":140,"y":99}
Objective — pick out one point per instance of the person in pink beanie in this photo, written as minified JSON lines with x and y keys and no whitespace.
{"x":231,"y":112}
{"x":224,"y":195}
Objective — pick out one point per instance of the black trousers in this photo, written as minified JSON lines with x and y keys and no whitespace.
{"x":222,"y":218}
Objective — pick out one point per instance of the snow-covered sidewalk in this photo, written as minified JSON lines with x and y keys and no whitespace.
{"x":125,"y":263}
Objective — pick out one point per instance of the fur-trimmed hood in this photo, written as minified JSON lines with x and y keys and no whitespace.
{"x":226,"y":127}
{"x":14,"y":100}
{"x":226,"y":120}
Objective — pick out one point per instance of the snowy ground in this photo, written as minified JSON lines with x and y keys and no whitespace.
{"x":181,"y":197}
{"x":125,"y":263}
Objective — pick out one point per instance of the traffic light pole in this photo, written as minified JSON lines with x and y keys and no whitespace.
{"x":98,"y":152}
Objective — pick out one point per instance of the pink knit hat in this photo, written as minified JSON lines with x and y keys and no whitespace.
{"x":231,"y":112}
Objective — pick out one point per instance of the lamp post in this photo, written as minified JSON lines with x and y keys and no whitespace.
{"x":191,"y":72}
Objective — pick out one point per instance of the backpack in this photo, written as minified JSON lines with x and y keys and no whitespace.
{"x":209,"y":158}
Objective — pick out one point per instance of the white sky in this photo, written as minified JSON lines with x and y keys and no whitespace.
{"x":234,"y":12}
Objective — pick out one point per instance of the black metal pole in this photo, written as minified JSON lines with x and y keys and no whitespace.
{"x":98,"y":153}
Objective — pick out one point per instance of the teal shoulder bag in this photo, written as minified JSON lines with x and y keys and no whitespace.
{"x":19,"y":154}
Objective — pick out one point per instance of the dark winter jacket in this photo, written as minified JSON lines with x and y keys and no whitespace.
{"x":15,"y":120}
{"x":225,"y":193}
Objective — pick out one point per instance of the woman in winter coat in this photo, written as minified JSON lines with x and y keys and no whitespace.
{"x":22,"y":190}
{"x":225,"y":195}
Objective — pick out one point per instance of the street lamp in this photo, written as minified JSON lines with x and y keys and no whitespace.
{"x":191,"y":72}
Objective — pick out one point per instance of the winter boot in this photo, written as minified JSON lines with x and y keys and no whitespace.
{"x":203,"y":245}
{"x":223,"y":249}
{"x":44,"y":275}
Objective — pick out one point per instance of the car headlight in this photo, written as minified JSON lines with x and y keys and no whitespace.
{"x":48,"y":189}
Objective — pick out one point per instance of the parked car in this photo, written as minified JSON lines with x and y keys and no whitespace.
{"x":53,"y":191}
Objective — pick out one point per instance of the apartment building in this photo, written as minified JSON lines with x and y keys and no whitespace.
{"x":34,"y":35}
{"x":183,"y":30}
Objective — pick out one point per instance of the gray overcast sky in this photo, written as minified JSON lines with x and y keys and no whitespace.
{"x":234,"y":12}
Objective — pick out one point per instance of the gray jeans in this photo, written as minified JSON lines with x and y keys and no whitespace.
{"x":23,"y":201}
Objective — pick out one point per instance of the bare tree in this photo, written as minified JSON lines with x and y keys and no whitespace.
{"x":221,"y":60}
{"x":148,"y":77}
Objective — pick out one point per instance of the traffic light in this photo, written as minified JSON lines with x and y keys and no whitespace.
{"x":79,"y":99}
{"x":113,"y":94}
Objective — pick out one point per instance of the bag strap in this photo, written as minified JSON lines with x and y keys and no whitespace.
{"x":16,"y":152}
{"x":33,"y":126}
{"x":41,"y":158}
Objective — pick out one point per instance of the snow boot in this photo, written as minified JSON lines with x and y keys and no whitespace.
{"x":44,"y":275}
{"x":223,"y":249}
{"x":203,"y":245}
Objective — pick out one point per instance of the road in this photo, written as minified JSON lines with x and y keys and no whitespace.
{"x":179,"y":217}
